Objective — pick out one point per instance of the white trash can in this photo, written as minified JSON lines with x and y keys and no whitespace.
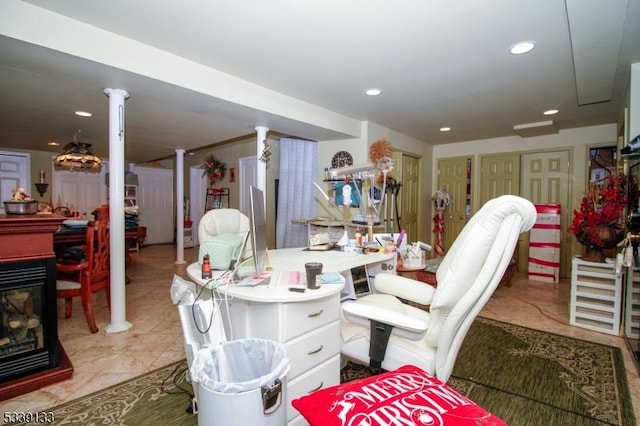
{"x":242,"y":382}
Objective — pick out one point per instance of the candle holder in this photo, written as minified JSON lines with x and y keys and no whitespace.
{"x":41,"y":187}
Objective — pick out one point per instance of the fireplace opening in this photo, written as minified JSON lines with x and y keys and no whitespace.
{"x":28,"y":324}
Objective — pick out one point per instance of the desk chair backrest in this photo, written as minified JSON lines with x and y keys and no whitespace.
{"x":470,"y":272}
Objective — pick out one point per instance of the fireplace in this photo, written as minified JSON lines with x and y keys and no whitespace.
{"x":28,"y":331}
{"x":30,"y":355}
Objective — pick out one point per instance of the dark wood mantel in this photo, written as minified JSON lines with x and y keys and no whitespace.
{"x":25,"y":237}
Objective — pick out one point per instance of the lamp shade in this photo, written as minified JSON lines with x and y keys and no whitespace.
{"x":77,"y":156}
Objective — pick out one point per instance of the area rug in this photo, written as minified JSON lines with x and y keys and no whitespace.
{"x":528,"y":377}
{"x":524,"y":376}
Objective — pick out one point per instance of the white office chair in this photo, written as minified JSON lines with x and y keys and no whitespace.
{"x":387,"y":333}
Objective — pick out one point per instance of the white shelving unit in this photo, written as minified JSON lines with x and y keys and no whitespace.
{"x":596,"y":296}
{"x":130,"y":195}
{"x":632,"y":305}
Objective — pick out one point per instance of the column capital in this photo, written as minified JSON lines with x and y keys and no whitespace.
{"x":264,"y":129}
{"x":109,"y":91}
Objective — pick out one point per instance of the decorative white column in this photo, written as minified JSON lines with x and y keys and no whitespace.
{"x":634,"y":102}
{"x":261,"y":169}
{"x":180,"y":206}
{"x":116,"y":210}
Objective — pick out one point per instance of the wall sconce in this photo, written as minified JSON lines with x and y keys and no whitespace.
{"x":42,"y":186}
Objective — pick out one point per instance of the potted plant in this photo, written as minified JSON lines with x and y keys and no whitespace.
{"x":598,"y":223}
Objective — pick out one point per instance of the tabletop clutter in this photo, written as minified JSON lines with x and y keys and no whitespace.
{"x":411,"y":255}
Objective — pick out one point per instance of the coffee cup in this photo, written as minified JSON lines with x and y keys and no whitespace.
{"x":313,"y":269}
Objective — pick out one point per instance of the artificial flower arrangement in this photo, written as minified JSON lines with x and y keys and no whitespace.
{"x":214,"y":169}
{"x":598,"y":222}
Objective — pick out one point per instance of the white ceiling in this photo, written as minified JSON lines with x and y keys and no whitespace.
{"x":304,"y":67}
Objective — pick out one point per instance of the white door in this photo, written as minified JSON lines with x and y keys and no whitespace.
{"x":15,"y":172}
{"x":156,"y":202}
{"x":79,"y":191}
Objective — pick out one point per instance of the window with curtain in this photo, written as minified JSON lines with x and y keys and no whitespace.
{"x":296,"y":200}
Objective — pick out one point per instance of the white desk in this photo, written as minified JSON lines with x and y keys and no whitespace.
{"x":308,"y":323}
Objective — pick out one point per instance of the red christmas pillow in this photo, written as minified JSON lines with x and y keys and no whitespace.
{"x":404,"y":396}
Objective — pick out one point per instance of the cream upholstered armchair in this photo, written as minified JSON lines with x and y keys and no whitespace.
{"x":384,"y":331}
{"x":217,"y":226}
{"x":222,"y":221}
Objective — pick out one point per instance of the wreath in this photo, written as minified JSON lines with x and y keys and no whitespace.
{"x":214,"y":169}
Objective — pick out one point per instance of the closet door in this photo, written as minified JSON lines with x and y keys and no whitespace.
{"x":499,"y":175}
{"x":545,"y":179}
{"x":454,"y":175}
{"x":409,"y":196}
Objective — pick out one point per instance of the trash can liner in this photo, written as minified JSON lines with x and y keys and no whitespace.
{"x":240,"y":365}
{"x":183,"y":292}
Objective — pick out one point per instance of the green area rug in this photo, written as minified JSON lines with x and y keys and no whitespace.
{"x":524,"y":376}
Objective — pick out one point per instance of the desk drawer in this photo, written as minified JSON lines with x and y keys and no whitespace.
{"x":313,"y":348}
{"x":323,"y":376}
{"x":302,"y":317}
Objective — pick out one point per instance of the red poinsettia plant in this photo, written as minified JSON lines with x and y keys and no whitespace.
{"x":599,"y":221}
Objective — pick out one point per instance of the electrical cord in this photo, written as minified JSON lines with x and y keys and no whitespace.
{"x":178,"y":370}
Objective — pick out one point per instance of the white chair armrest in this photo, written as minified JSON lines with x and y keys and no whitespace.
{"x":377,"y":313}
{"x":404,"y":287}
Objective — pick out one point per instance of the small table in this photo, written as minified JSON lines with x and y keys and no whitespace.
{"x":63,"y":239}
{"x":426,"y":275}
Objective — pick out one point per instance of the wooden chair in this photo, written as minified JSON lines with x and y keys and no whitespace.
{"x":83,"y":278}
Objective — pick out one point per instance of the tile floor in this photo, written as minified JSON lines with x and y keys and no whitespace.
{"x":102,"y":359}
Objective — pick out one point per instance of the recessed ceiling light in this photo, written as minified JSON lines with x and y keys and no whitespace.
{"x":445,"y":129}
{"x":522,"y":47}
{"x":373,"y":92}
{"x":53,"y":144}
{"x":550,"y":112}
{"x":84,"y":114}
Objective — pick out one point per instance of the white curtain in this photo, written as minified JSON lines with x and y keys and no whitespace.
{"x":296,"y":200}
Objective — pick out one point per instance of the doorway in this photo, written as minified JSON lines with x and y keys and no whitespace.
{"x":545,"y":180}
{"x":156,"y":201}
{"x":454,"y":176}
{"x":541,"y":177}
{"x":408,"y":196}
{"x":15,"y":172}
